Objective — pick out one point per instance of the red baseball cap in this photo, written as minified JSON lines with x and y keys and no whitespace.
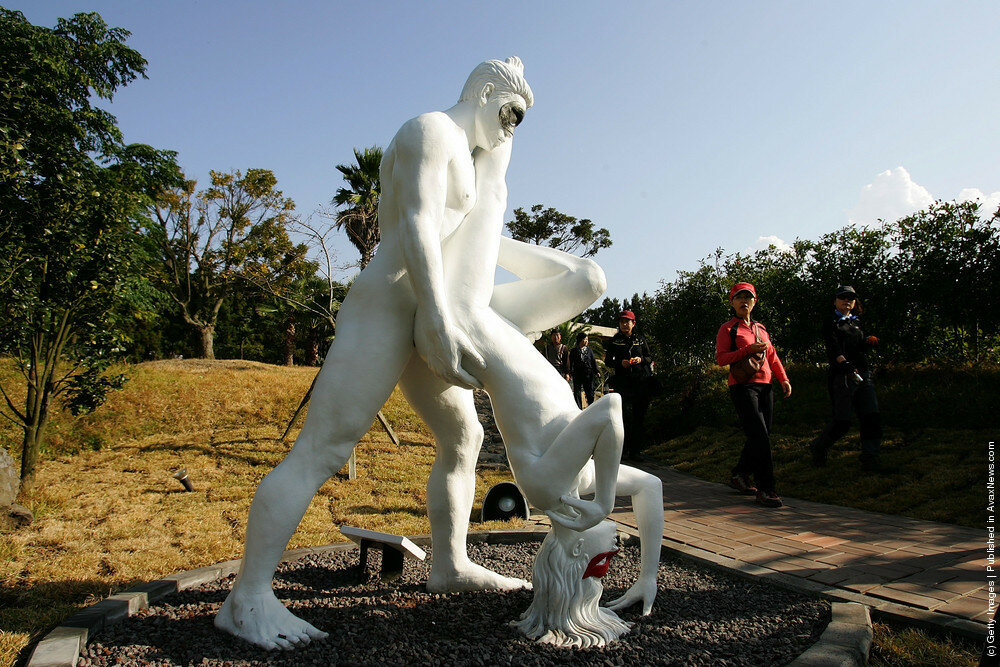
{"x":742,"y":287}
{"x":627,"y":315}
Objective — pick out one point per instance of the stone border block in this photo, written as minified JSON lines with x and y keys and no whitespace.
{"x":515,"y":536}
{"x":196,"y":577}
{"x":826,"y":656}
{"x":846,"y":640}
{"x":154,"y":590}
{"x":59,"y":648}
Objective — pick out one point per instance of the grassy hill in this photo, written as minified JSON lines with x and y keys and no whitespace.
{"x":108,"y":513}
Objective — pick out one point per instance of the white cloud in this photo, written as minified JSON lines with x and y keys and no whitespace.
{"x":764,"y":242}
{"x":989,"y":202}
{"x":891,"y":196}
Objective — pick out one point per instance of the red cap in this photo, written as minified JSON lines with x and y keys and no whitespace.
{"x":627,"y":315}
{"x":742,"y":287}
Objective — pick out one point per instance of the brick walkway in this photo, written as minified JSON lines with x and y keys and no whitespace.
{"x":920,"y":571}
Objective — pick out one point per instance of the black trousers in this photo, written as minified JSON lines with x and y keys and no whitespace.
{"x":586,"y":385}
{"x":754,"y":404}
{"x":859,"y":397}
{"x":635,"y":402}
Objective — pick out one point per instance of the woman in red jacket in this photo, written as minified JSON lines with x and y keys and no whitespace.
{"x":739,"y":338}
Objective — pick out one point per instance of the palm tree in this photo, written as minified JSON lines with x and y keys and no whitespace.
{"x":359,"y":217}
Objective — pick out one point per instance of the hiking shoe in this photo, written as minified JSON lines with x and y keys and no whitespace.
{"x":768,"y":499}
{"x":740,"y":483}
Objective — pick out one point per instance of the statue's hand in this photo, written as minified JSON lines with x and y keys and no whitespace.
{"x":643,"y":591}
{"x":588,"y":513}
{"x":444,"y":347}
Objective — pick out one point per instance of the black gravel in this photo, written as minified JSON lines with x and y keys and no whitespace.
{"x":701,"y":617}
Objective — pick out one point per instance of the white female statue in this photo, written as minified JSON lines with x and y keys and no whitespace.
{"x":555,"y":450}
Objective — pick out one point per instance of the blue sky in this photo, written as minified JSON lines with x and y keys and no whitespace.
{"x":679,"y":126}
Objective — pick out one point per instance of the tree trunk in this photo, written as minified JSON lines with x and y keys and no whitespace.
{"x":29,"y":457}
{"x":290,"y":342}
{"x":37,"y":414}
{"x":312,"y":352}
{"x":206,"y":339}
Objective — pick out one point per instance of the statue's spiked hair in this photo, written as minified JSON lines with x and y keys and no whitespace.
{"x":506,"y":76}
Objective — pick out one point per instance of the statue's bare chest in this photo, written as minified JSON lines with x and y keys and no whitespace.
{"x":461,"y":196}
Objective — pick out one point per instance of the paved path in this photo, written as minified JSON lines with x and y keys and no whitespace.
{"x":921,"y":571}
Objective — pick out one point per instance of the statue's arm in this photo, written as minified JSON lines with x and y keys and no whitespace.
{"x":554,"y":286}
{"x":491,"y":182}
{"x":420,"y":183}
{"x":593,"y":439}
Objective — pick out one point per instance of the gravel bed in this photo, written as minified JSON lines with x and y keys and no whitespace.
{"x":701,"y":617}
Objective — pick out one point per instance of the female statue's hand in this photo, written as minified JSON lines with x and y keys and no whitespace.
{"x":589,"y":513}
{"x":643,"y":591}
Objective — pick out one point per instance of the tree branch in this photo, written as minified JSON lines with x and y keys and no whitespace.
{"x":10,"y":404}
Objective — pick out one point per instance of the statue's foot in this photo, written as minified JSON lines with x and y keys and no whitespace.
{"x":471,"y":577}
{"x":261,"y":619}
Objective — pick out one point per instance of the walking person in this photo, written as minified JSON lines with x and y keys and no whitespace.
{"x":583,"y":369}
{"x":850,"y":382}
{"x":628,"y":356}
{"x":745,"y":346}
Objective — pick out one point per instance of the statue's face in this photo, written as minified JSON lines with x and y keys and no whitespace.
{"x":594,"y":546}
{"x":600,"y":544}
{"x":497,"y":118}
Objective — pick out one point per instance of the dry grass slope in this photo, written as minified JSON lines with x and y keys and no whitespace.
{"x":108,"y":514}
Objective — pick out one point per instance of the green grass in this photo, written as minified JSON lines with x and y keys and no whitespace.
{"x":903,"y":647}
{"x":936,"y":424}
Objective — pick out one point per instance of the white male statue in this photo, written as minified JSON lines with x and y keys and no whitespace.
{"x":396,"y":325}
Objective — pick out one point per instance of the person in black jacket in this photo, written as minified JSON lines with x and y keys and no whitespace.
{"x":583,"y":369}
{"x":557,"y":353}
{"x":628,"y":357}
{"x":850,"y":383}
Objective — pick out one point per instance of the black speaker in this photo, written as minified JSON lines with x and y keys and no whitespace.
{"x":504,"y":502}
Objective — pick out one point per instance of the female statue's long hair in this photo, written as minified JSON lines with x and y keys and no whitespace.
{"x":565,"y":609}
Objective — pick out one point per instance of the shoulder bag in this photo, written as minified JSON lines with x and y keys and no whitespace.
{"x":746,"y":368}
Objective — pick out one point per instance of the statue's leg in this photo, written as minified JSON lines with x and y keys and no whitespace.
{"x":646,"y":491}
{"x":554,"y":286}
{"x":373,"y":344}
{"x":450,"y":413}
{"x":595,"y":432}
